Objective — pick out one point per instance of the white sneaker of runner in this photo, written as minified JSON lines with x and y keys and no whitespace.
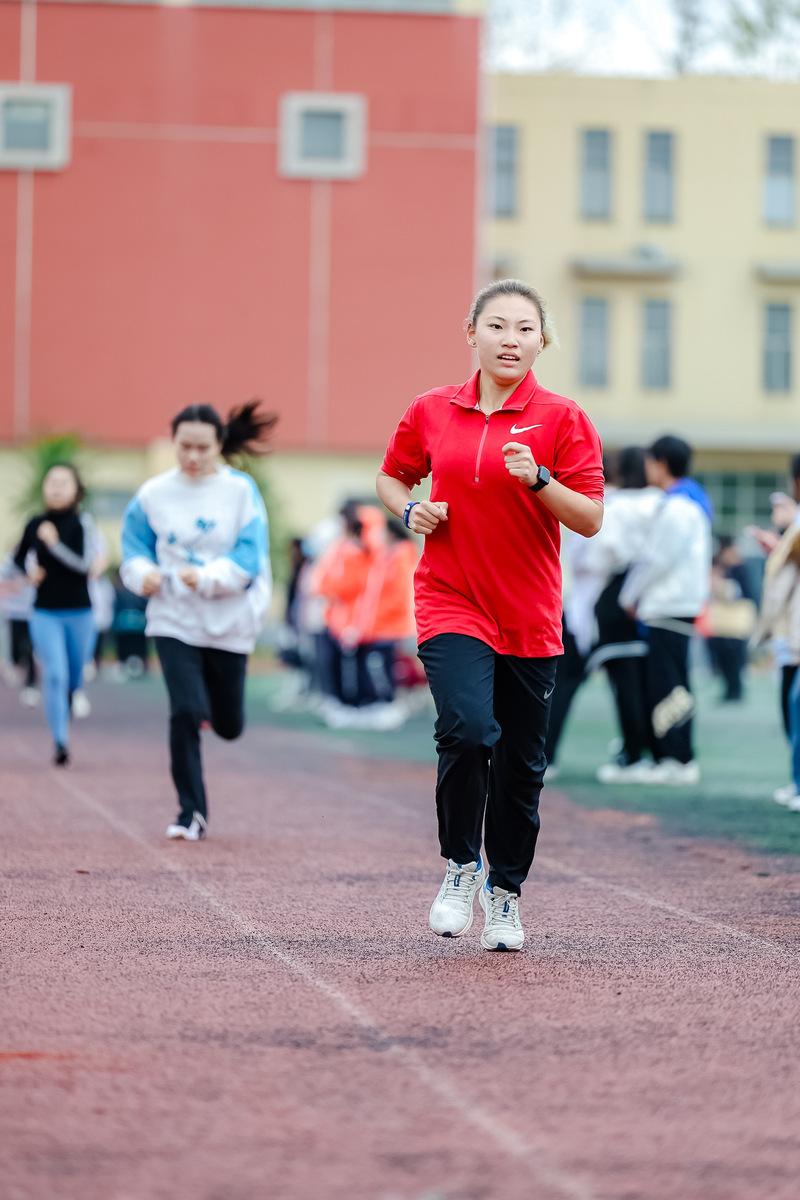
{"x":674,"y":773}
{"x":502,"y":929}
{"x":81,"y":705}
{"x":785,"y":794}
{"x":29,"y":697}
{"x":451,"y":912}
{"x":638,"y":772}
{"x":794,"y":805}
{"x":191,"y":833}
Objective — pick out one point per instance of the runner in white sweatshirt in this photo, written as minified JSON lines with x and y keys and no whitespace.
{"x":195,"y":541}
{"x":666,"y":590}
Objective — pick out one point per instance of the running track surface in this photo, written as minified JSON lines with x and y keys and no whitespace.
{"x":265,"y":1015}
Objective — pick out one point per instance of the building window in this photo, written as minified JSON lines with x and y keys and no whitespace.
{"x":502,"y":175}
{"x":593,"y":365}
{"x":323,"y":135}
{"x":596,"y":175}
{"x":779,"y":198}
{"x":34,"y":126}
{"x":658,"y":177}
{"x":778,"y":348}
{"x":741,"y":498}
{"x":656,"y":349}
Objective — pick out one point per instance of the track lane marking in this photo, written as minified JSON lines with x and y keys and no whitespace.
{"x":507,"y":1139}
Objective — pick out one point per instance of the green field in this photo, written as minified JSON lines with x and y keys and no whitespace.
{"x":741,"y":748}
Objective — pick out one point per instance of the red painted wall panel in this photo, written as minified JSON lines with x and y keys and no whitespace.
{"x":169,"y":270}
{"x":420,"y":73}
{"x":8,"y":246}
{"x":155,"y":276}
{"x":402,"y":274}
{"x":200,"y":66}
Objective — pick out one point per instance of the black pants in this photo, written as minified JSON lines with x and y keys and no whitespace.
{"x":490,"y":732}
{"x":628,"y":679}
{"x":729,"y":658}
{"x":203,"y":684}
{"x":570,"y":674}
{"x":364,"y":674}
{"x":22,"y":651}
{"x":669,"y":698}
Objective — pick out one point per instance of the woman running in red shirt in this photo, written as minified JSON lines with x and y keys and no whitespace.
{"x":509,"y":462}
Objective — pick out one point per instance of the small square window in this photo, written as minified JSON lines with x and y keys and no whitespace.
{"x":323,"y":135}
{"x":34,"y":126}
{"x":27,"y":124}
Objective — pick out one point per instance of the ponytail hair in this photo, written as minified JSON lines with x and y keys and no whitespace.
{"x":245,"y":432}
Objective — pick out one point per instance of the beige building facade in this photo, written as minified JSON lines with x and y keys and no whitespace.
{"x":659,"y":220}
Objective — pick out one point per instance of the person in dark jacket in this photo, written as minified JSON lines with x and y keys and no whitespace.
{"x":56,"y":552}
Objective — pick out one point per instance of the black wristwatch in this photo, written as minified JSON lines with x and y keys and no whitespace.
{"x":542,"y":480}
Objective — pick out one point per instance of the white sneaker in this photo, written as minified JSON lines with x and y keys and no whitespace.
{"x":81,"y":706}
{"x":786,"y":794}
{"x":674,"y":773}
{"x":192,"y":833}
{"x":451,"y":912}
{"x":794,"y":805}
{"x":29,"y":697}
{"x":638,"y":772}
{"x":502,"y":929}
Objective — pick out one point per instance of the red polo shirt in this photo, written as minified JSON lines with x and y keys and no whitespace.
{"x":493,"y":570}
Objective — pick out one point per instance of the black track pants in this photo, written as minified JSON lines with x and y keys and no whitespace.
{"x":669,"y":698}
{"x":203,"y":684}
{"x":490,"y":733}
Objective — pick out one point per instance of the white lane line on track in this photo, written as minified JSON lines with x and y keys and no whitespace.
{"x":554,"y":864}
{"x":445,"y":1089}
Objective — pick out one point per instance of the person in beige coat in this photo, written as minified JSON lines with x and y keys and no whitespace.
{"x":779,"y":621}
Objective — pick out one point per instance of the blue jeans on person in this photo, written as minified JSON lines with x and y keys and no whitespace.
{"x":63,"y":640}
{"x":794,"y":728}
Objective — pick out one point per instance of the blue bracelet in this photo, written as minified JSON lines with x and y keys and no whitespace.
{"x":407,"y":511}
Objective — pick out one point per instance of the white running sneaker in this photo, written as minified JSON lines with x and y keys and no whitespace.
{"x":502,"y":929}
{"x":638,"y":772}
{"x":191,"y":833}
{"x":81,"y":705}
{"x":674,"y":773}
{"x":786,"y":794}
{"x":794,"y":805}
{"x":451,"y":912}
{"x":29,"y":697}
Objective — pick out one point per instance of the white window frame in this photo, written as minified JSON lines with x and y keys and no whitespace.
{"x":58,"y":155}
{"x":292,"y":163}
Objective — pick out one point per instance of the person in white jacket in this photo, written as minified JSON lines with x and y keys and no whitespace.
{"x":195,"y":542}
{"x":666,"y":590}
{"x":621,"y":647}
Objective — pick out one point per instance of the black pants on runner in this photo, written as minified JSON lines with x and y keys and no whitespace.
{"x":490,"y":732}
{"x":787,"y":679}
{"x":203,"y":684}
{"x":570,"y":674}
{"x":668,"y":694}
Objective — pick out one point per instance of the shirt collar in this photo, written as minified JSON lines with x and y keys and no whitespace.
{"x":467,"y":394}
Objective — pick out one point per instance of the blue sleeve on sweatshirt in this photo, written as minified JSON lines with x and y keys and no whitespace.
{"x":138,"y":538}
{"x":252,"y":545}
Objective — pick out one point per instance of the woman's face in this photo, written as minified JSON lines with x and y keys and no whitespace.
{"x":196,"y":448}
{"x":60,"y":489}
{"x":508,"y":338}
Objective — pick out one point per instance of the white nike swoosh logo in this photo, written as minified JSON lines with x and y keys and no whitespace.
{"x":525,"y":428}
{"x":547,"y":695}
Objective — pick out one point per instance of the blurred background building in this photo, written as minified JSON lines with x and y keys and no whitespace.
{"x":209,"y":203}
{"x":659,"y":219}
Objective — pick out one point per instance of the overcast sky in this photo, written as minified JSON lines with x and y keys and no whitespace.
{"x":615,"y":37}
